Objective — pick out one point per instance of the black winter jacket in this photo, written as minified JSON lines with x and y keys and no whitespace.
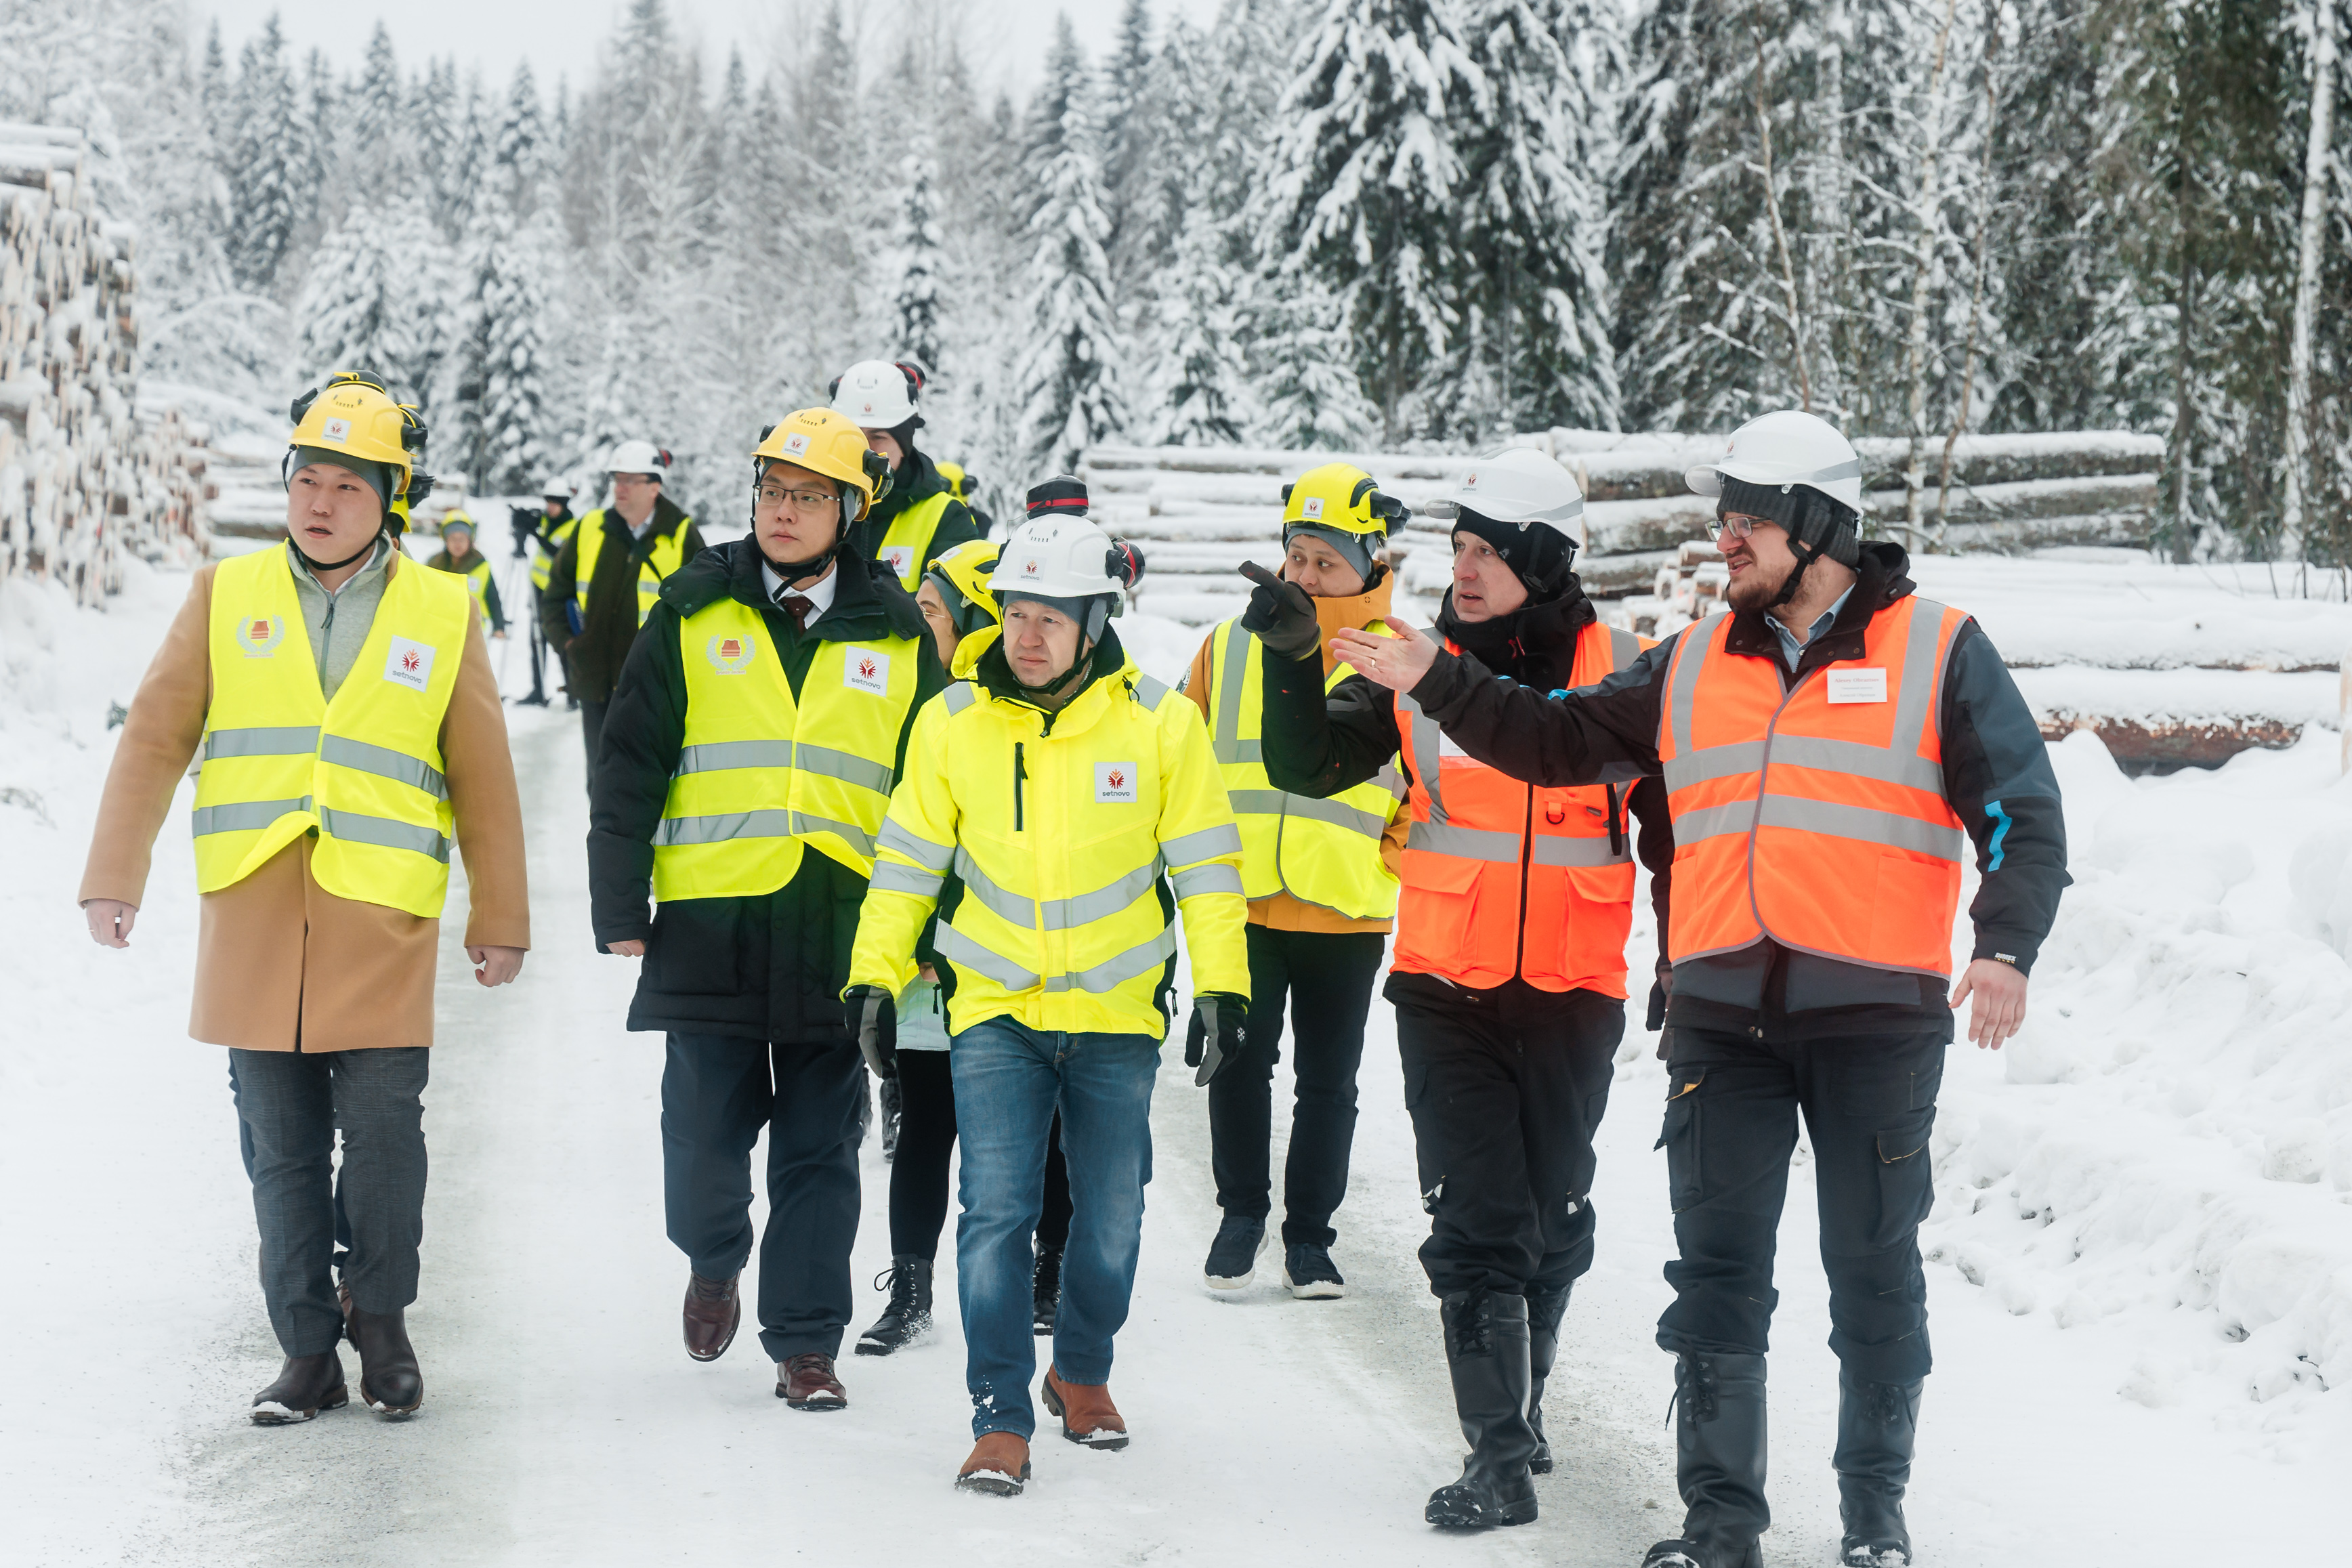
{"x":594,"y":659}
{"x":916,"y":479}
{"x":1997,"y":776}
{"x":769,"y":967}
{"x":1316,"y":745}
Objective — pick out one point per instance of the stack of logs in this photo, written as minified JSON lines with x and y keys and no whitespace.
{"x":83,"y":475}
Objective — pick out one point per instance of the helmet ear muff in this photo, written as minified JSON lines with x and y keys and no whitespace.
{"x":914,"y":375}
{"x":832,"y":391}
{"x":301,"y":405}
{"x":878,"y":469}
{"x":1288,"y":487}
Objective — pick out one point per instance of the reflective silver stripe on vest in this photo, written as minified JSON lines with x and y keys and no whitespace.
{"x":1054,"y":914}
{"x":890,"y":876}
{"x":720,"y":756}
{"x":1274,"y":802}
{"x":1232,"y":670}
{"x":1148,"y":691}
{"x":772,"y":823}
{"x":286,"y":740}
{"x":921,"y":851}
{"x":966,"y":953}
{"x":1464,"y":843}
{"x":1427,"y":746}
{"x":384,"y":833}
{"x":1113,"y":972}
{"x":242,"y":816}
{"x":1551,"y":848}
{"x":1922,"y":676}
{"x":1739,"y":759}
{"x":959,"y":697}
{"x":384,"y":763}
{"x":1714,"y":822}
{"x":847,"y":767}
{"x":1224,"y":839}
{"x":1214,"y":877}
{"x":1841,"y":821}
{"x":856,"y":838}
{"x":1855,"y":758}
{"x":1682,"y":696}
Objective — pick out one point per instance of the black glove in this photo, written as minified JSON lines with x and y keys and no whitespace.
{"x":1219,"y":1030}
{"x":871,"y":1016}
{"x":1280,"y":615}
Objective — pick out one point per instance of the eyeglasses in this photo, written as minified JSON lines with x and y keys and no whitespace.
{"x":799,"y":500}
{"x":1738,"y":525}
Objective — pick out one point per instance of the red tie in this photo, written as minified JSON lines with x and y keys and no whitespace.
{"x":798,"y":609}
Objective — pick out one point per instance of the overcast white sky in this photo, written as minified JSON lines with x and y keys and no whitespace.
{"x":560,"y":36}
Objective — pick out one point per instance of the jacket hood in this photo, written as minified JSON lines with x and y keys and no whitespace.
{"x":866,"y":601}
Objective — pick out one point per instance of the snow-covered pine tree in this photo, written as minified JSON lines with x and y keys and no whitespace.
{"x":516,"y":414}
{"x":270,"y":163}
{"x":1364,"y":185}
{"x":1305,"y":370}
{"x":355,"y":310}
{"x":915,"y":301}
{"x":382,"y":147}
{"x":1068,"y":385}
{"x":1194,"y":375}
{"x":434,"y":125}
{"x":1129,"y":131}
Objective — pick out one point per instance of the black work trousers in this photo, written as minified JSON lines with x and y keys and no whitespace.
{"x":719,"y":1092}
{"x":1869,"y":1103}
{"x":1327,"y":978}
{"x":918,"y":1171}
{"x":1507,"y":1088}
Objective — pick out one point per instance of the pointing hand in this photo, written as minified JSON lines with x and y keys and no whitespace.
{"x":1280,"y":615}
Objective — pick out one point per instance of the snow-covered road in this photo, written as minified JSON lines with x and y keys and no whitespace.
{"x":564,"y":1423}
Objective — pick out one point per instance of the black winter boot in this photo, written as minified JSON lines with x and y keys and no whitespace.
{"x":1046,"y":1287}
{"x":1878,"y":1423}
{"x":306,"y":1385}
{"x":907,"y":1318}
{"x":389,"y":1379}
{"x":1545,"y":1309}
{"x":1486,"y":1352}
{"x":1719,"y":1462}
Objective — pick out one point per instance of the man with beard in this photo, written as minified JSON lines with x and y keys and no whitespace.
{"x":1829,"y":744}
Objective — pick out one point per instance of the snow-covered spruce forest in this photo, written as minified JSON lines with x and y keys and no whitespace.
{"x":1315,"y":222}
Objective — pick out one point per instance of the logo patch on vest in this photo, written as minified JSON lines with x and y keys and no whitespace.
{"x":866,"y":671}
{"x":409,"y":663}
{"x":730,"y":654}
{"x":1114,"y":783}
{"x":1864,"y":685}
{"x":901,"y":557}
{"x":260,"y":635}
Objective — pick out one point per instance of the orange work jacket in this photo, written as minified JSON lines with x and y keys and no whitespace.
{"x":1499,"y":879}
{"x":1815,"y":816}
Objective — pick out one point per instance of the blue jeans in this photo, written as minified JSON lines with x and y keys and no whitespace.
{"x":1009,"y":1078}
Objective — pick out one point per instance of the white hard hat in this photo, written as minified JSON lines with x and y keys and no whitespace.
{"x":552,"y":487}
{"x":638,"y":457}
{"x":877,"y":394}
{"x":1517,"y":484}
{"x":1784,"y":449}
{"x":1056,"y":557}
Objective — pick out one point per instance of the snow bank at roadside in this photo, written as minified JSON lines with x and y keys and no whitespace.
{"x":2166,"y":1151}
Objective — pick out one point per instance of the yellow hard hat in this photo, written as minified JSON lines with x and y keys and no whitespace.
{"x":953,"y":474}
{"x":962,"y":577}
{"x":458,"y":518}
{"x":1338,"y":496}
{"x":823,"y":442}
{"x":354,"y":414}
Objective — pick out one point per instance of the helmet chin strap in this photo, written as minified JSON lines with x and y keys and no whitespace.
{"x":1805,"y":555}
{"x":320,"y":565}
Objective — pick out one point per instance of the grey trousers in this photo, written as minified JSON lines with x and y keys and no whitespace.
{"x":289,"y":1106}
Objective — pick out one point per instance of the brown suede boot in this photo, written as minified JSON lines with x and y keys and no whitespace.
{"x":714,"y":1310}
{"x":1088,"y":1415}
{"x":999,"y":1466}
{"x":806,"y":1382}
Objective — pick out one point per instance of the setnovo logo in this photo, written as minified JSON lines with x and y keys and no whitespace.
{"x":409,"y":663}
{"x":866,"y":670}
{"x":1114,"y":783}
{"x":730,"y":654}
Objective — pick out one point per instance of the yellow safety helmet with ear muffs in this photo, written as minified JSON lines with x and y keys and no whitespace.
{"x":826,"y":443}
{"x":1343,"y":496}
{"x":954,"y":475}
{"x":354,"y":415}
{"x":962,"y":575}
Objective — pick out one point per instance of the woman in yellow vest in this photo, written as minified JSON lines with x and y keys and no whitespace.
{"x":1058,"y":783}
{"x":756,"y":734}
{"x":459,"y":555}
{"x":921,"y":519}
{"x":342,"y":701}
{"x":1320,"y":876}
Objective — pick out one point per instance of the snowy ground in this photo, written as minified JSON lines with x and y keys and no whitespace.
{"x":2142,"y":1280}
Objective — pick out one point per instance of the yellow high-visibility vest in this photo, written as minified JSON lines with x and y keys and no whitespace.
{"x":906,"y":545}
{"x":542,"y":559}
{"x":666,"y":556}
{"x":1325,"y":852}
{"x":763,"y":776}
{"x":477,"y":583}
{"x":1060,"y":836}
{"x":364,"y":771}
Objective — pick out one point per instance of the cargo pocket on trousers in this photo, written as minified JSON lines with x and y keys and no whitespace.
{"x":1907,"y":1179}
{"x":1680,"y":1138}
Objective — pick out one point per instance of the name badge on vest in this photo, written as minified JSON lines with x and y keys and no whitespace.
{"x":409,"y":663}
{"x":1864,"y":685}
{"x":1114,"y":783}
{"x":901,"y":557}
{"x":866,"y":671}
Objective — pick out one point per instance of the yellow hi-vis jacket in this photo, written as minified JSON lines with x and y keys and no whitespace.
{"x":906,"y":545}
{"x":542,"y":559}
{"x":763,"y":777}
{"x":668,"y":554}
{"x":1325,"y":852}
{"x":364,"y":771}
{"x":1059,"y":827}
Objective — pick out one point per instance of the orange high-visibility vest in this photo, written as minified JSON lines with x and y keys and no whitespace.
{"x":1499,"y":879}
{"x":1815,"y":816}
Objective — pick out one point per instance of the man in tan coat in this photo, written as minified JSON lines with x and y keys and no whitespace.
{"x":342,"y":700}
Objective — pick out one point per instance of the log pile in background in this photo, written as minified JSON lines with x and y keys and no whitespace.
{"x":85,"y":473}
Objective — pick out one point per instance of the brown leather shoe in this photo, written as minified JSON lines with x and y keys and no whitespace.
{"x":714,"y":1310}
{"x":1088,"y":1415}
{"x":390,"y":1380}
{"x":999,"y":1466}
{"x":306,"y":1385}
{"x":806,"y":1382}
